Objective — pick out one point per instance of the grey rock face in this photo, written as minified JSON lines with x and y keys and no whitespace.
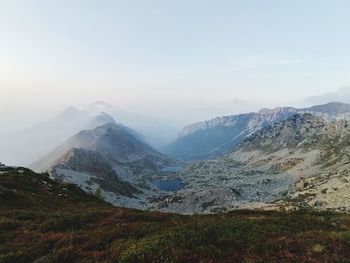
{"x":221,"y":135}
{"x":94,"y":164}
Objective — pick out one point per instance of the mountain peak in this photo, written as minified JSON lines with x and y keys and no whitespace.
{"x":109,"y":139}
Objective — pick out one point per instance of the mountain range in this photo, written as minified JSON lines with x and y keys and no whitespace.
{"x":26,"y":146}
{"x":219,"y":136}
{"x":108,"y":157}
{"x":303,"y":158}
{"x":270,"y":159}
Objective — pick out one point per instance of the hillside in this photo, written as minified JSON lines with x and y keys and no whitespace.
{"x":309,"y":148}
{"x":303,"y":159}
{"x":221,"y":135}
{"x":311,"y":141}
{"x":109,"y":157}
{"x":113,"y":141}
{"x":42,"y":220}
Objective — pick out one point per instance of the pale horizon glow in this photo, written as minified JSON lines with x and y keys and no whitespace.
{"x":168,"y":58}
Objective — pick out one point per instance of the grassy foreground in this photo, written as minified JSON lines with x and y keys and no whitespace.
{"x":44,"y":221}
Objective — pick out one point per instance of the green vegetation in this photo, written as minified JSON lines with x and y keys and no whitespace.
{"x":99,"y":194}
{"x":44,"y":220}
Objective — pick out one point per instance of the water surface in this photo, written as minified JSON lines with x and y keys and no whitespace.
{"x":170,"y":185}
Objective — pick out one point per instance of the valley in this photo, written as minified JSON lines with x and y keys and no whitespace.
{"x":289,"y":158}
{"x":174,"y":131}
{"x":295,"y":166}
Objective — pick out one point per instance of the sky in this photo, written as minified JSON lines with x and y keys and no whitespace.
{"x":163,"y":57}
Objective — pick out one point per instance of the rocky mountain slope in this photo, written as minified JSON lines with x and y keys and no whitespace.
{"x":221,"y":135}
{"x":109,"y":158}
{"x":309,"y":148}
{"x":301,"y":138}
{"x":28,"y":145}
{"x":42,"y":220}
{"x":112,"y":140}
{"x":302,"y":160}
{"x":318,"y":153}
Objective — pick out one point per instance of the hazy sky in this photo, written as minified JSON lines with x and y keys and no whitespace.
{"x":149,"y":55}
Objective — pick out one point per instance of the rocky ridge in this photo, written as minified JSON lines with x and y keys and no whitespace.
{"x":302,"y":160}
{"x":111,"y":159}
{"x":219,"y":136}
